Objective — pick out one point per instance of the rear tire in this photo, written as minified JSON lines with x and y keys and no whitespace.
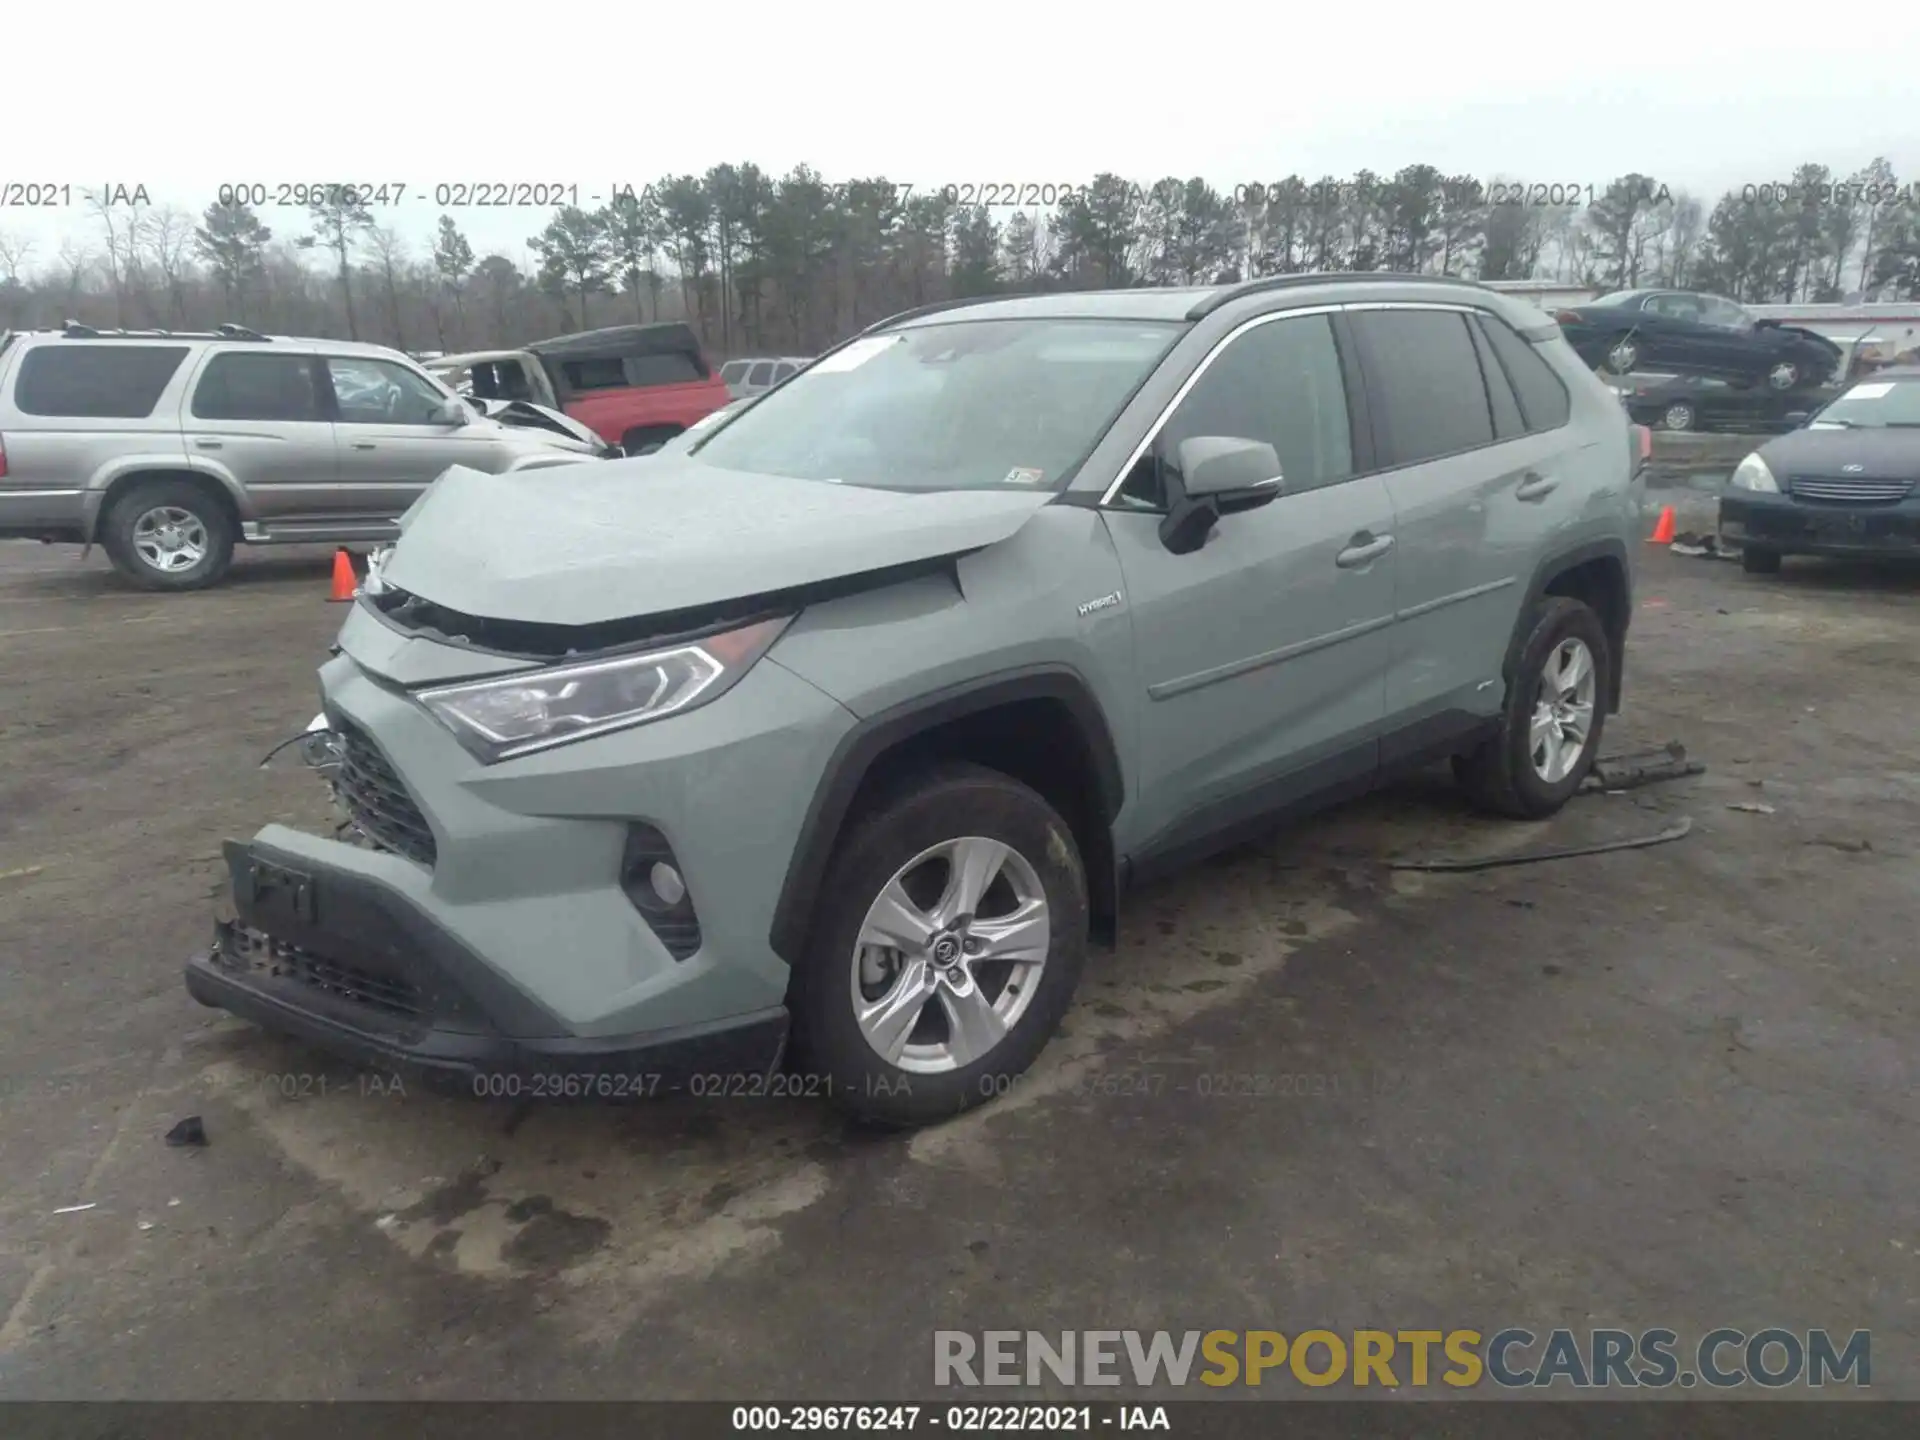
{"x":944,"y":976}
{"x":1758,"y":561}
{"x":168,"y":535}
{"x":1522,"y":772}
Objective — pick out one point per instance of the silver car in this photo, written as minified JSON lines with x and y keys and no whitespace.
{"x":755,"y":377}
{"x":168,"y":449}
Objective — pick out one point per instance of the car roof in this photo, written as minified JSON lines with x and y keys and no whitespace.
{"x":1188,"y":303}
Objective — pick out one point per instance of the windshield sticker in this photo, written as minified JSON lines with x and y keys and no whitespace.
{"x":1869,"y":392}
{"x":1024,"y":475}
{"x":853,"y":356}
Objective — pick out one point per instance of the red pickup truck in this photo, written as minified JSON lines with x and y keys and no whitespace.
{"x":636,"y":386}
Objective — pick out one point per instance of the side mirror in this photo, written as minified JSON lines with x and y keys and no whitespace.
{"x":1217,"y":474}
{"x":451,"y":411}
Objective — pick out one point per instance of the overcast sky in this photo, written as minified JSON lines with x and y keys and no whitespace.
{"x":1706,"y":96}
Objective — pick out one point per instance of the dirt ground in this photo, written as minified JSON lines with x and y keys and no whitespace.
{"x":1666,"y":1087}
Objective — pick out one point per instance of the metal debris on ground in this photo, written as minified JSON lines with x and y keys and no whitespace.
{"x":189,"y":1131}
{"x":1635,"y":768}
{"x":1703,"y":546}
{"x":76,"y":1209}
{"x":1751,"y":807}
{"x":1493,"y":862}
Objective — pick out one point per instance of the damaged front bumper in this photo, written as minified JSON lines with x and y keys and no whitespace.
{"x":351,"y":967}
{"x":472,"y":918}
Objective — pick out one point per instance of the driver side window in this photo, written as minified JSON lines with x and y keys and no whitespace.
{"x":1280,"y":383}
{"x":378,"y":392}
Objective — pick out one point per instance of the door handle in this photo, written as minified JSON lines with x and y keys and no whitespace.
{"x":205,"y":444}
{"x":1536,"y":487}
{"x":363,"y":445}
{"x":1363,"y":548}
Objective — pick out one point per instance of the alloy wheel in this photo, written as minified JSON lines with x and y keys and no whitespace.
{"x":169,"y":539}
{"x":949,"y":956}
{"x":1678,"y":417}
{"x":1562,"y":711}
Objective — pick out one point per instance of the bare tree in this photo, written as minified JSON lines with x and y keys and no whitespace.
{"x":121,"y":224}
{"x":169,"y":244}
{"x":389,"y":253}
{"x":75,"y":261}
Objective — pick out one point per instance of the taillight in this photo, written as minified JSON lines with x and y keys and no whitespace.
{"x":1565,"y":317}
{"x":3,"y":457}
{"x":1643,"y":443}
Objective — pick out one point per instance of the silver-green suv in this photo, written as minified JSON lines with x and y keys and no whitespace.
{"x":170,"y":448}
{"x":818,"y":748}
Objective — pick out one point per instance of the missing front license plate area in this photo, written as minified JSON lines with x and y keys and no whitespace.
{"x":277,"y":892}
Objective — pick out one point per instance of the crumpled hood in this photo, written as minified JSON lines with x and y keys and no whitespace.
{"x":622,"y":539}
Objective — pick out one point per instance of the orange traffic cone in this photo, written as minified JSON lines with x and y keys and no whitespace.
{"x":346,"y":584}
{"x":1663,"y":528}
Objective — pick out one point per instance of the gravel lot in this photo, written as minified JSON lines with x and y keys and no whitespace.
{"x":1663,"y":1087}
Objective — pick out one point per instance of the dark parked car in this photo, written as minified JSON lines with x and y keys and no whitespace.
{"x":1848,"y":483}
{"x":1699,"y":402}
{"x":1688,"y":333}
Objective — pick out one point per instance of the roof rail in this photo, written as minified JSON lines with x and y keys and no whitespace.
{"x":74,"y":330}
{"x":1230,"y":293}
{"x":934,"y":309}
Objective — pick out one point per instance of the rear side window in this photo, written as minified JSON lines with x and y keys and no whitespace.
{"x":96,"y":382}
{"x":616,"y":372}
{"x":761,"y":374}
{"x":1431,"y":400}
{"x":734,"y":371}
{"x":1507,"y":423}
{"x":1543,"y":397}
{"x":781,"y":372}
{"x":675,"y":368}
{"x":243,"y":385}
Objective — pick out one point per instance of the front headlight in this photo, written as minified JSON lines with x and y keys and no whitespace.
{"x":517,"y":714}
{"x":1752,"y":474}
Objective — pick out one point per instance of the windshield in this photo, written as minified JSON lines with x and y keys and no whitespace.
{"x":973,"y":405}
{"x":1872,"y":405}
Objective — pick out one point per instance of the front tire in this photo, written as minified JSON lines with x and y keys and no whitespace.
{"x":1783,"y":377}
{"x":168,"y":535}
{"x":1678,"y":416}
{"x":950,"y":938}
{"x":1551,"y":723}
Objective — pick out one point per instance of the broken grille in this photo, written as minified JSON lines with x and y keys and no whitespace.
{"x":376,"y":799}
{"x":242,"y":948}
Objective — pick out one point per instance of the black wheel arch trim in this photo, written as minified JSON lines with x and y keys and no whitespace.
{"x":861,"y":747}
{"x":1549,"y":570}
